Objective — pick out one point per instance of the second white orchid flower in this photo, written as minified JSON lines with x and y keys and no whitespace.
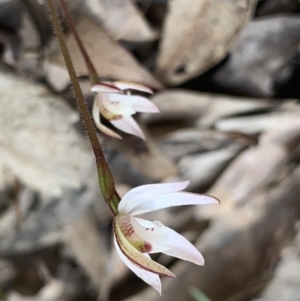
{"x":136,"y":237}
{"x":116,"y":104}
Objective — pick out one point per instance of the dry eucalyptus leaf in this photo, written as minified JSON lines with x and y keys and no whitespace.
{"x":144,"y":157}
{"x":36,"y":25}
{"x":256,"y":165}
{"x":29,"y":34}
{"x":86,"y":242}
{"x":261,"y":122}
{"x":222,"y":106}
{"x":190,"y":141}
{"x":247,"y":173}
{"x":180,"y":104}
{"x":154,"y":164}
{"x":37,"y":141}
{"x":121,"y":19}
{"x":197,"y":34}
{"x":110,"y":58}
{"x":204,"y":168}
{"x":285,"y":284}
{"x":177,"y":104}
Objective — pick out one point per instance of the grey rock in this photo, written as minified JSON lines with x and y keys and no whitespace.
{"x":37,"y":140}
{"x":38,"y":227}
{"x":267,"y":7}
{"x":261,"y":56}
{"x":10,"y":14}
{"x":42,"y":151}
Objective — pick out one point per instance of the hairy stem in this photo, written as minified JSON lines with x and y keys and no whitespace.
{"x":106,"y":181}
{"x":94,"y":79}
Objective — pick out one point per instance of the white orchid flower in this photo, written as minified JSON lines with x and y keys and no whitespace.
{"x":115,"y":102}
{"x":135,"y":237}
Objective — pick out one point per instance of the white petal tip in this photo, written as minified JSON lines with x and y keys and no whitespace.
{"x":142,"y":137}
{"x":187,"y":183}
{"x":199,"y":261}
{"x":139,"y":133}
{"x":142,"y":104}
{"x":128,"y":125}
{"x":157,"y":288}
{"x":154,"y":109}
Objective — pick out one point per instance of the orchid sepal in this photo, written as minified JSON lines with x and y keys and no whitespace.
{"x":106,"y":88}
{"x":123,"y":85}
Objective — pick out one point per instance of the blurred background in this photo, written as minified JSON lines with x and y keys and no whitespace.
{"x":226,"y":79}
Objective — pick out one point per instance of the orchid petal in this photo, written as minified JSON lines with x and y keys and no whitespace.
{"x":158,"y":244}
{"x":137,"y":257}
{"x":139,"y":103}
{"x":151,"y":190}
{"x":128,"y":125}
{"x":133,"y":86}
{"x":181,"y":248}
{"x":155,"y":235}
{"x":178,"y":246}
{"x":141,"y":204}
{"x":118,"y":108}
{"x":149,"y":277}
{"x":106,"y":87}
{"x":100,"y":126}
{"x":143,"y":105}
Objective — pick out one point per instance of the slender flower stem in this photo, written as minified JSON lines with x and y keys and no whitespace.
{"x":106,"y":181}
{"x":94,"y":78}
